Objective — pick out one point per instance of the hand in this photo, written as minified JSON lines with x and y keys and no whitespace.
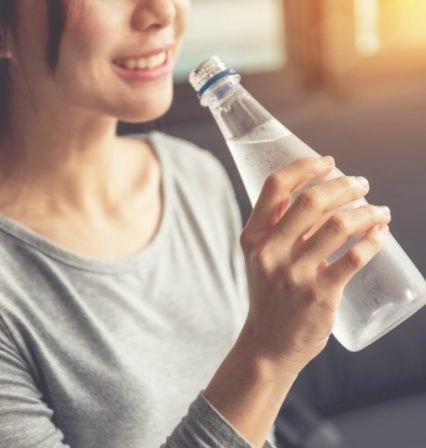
{"x":294,"y":292}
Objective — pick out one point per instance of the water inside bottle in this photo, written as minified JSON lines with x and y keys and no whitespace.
{"x":263,"y":151}
{"x":382,"y":294}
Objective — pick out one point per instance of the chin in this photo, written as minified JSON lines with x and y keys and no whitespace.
{"x":147,"y":109}
{"x":138,"y":113}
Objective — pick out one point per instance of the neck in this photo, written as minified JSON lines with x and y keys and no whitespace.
{"x":72,"y":157}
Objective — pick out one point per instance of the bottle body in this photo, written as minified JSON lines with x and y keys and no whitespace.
{"x":379,"y":297}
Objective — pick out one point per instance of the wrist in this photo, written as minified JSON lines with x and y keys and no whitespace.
{"x":247,"y":368}
{"x":248,"y":390}
{"x":268,"y":363}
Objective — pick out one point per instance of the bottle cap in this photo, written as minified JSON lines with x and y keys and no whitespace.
{"x":207,"y":73}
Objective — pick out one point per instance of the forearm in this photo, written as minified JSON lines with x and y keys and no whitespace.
{"x":249,"y":391}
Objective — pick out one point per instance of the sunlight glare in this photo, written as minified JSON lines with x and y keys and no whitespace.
{"x":367,"y":27}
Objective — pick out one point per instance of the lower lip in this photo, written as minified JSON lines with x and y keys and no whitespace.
{"x":147,"y":74}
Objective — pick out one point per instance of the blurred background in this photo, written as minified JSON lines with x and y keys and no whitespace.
{"x":349,"y":78}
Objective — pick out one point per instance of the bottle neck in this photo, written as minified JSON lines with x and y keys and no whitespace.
{"x":236,"y":112}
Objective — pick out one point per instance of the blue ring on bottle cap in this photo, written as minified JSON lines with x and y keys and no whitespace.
{"x":213,"y":79}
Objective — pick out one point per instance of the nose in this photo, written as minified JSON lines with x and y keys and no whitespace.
{"x":153,"y":14}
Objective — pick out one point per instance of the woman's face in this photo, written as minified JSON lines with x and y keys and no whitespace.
{"x":102,"y":43}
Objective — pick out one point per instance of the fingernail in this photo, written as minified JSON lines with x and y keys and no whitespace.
{"x":385,"y":211}
{"x":384,"y":229}
{"x":328,"y":160}
{"x":363,"y":182}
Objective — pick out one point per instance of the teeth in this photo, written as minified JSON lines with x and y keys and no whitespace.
{"x":130,"y":64}
{"x":143,"y":63}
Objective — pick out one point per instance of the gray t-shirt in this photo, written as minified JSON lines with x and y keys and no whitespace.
{"x":115,"y":354}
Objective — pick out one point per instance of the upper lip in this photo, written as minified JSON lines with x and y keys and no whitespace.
{"x":146,"y":54}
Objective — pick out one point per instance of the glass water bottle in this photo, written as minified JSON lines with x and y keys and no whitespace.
{"x":389,"y":289}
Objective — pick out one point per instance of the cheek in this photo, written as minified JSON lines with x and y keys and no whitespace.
{"x":183,"y":9}
{"x":87,"y":51}
{"x":89,"y":33}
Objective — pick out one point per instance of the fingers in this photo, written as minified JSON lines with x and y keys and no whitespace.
{"x":313,"y":204}
{"x":276,"y":193}
{"x":339,"y":228}
{"x":358,"y":256}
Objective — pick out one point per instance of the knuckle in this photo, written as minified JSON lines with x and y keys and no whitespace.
{"x":263,"y":261}
{"x":372,"y":211}
{"x":305,"y":162}
{"x":338,"y":224}
{"x":312,"y":295}
{"x":250,"y":243}
{"x":309,"y":199}
{"x":349,"y":183}
{"x":246,"y":241}
{"x":355,"y":260}
{"x":377,"y":214}
{"x":304,"y":165}
{"x":290,"y":278}
{"x":328,"y":308}
{"x":274,"y":183}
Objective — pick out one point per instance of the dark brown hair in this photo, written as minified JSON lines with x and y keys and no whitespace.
{"x":9,"y":23}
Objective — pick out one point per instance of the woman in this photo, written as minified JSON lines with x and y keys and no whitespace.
{"x":124,"y":319}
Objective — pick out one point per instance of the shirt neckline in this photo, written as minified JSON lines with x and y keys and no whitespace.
{"x":82,"y":262}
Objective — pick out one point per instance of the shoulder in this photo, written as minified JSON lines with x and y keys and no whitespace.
{"x":196,"y":169}
{"x":201,"y":183}
{"x":189,"y":158}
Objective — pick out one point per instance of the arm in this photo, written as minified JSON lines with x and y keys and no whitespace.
{"x":25,"y":419}
{"x":294,"y":292}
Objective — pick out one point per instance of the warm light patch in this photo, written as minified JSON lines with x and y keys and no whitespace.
{"x":403,"y":23}
{"x":389,"y":25}
{"x":367,"y":27}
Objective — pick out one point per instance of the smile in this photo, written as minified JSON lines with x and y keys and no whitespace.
{"x":149,"y":62}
